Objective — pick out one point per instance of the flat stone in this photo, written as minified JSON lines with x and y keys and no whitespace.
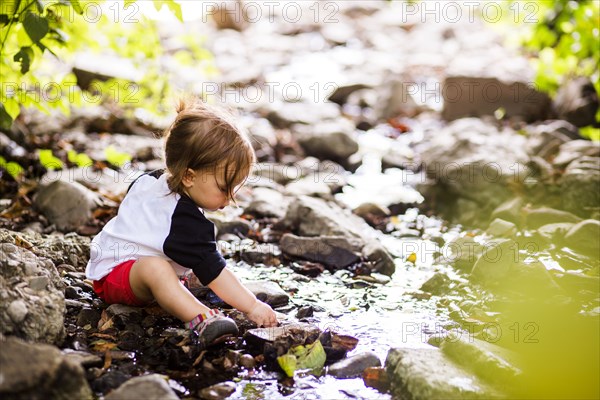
{"x":425,"y":373}
{"x":148,"y":387}
{"x":502,"y":228}
{"x":490,"y":362}
{"x":335,"y":251}
{"x":546,"y":215}
{"x":268,"y":292}
{"x":353,"y":366}
{"x":262,"y":335}
{"x":585,"y":237}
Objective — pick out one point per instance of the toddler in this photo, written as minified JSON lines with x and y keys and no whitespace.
{"x":160,"y":232}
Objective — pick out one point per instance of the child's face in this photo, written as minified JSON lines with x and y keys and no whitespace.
{"x":206,"y":189}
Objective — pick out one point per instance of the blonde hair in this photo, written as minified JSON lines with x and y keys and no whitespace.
{"x":205,"y":138}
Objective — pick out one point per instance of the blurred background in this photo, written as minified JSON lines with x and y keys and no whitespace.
{"x":449,"y":148}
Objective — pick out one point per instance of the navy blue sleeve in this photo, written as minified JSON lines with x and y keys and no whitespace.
{"x":191,"y":242}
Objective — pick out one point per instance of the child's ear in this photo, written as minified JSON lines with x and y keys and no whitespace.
{"x":188,"y":178}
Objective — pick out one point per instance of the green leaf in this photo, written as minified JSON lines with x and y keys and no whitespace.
{"x":36,"y":26}
{"x":115,"y":157}
{"x":175,"y":9}
{"x":82,"y":160}
{"x":12,"y":108}
{"x":13,"y":168}
{"x":25,"y":58}
{"x":128,"y":2}
{"x":5,"y":118}
{"x":312,"y":357}
{"x":76,"y":6}
{"x":49,"y":161}
{"x":591,"y":133}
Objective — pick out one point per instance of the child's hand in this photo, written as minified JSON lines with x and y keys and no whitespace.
{"x":262,"y":315}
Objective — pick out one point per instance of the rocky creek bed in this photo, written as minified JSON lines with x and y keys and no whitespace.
{"x":435,"y":250}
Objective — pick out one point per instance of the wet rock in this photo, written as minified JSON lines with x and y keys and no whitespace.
{"x":268,"y":292}
{"x":309,"y":216}
{"x":36,"y":313}
{"x":259,"y":336}
{"x":437,"y":284}
{"x":247,"y":361}
{"x":476,"y":96}
{"x":334,"y":251}
{"x":490,"y":362}
{"x":496,"y":261}
{"x":74,"y":292}
{"x":555,"y":233}
{"x":88,"y":316}
{"x":369,"y":210}
{"x":546,"y":138}
{"x":380,"y":258}
{"x":580,"y":185}
{"x":462,"y":252}
{"x":328,"y":141}
{"x":218,"y":392}
{"x":585,"y":237}
{"x":150,"y":387}
{"x":353,"y":366}
{"x":83,"y":358}
{"x":573,"y":150}
{"x":123,"y":315}
{"x":511,"y":211}
{"x":237,"y":226}
{"x":39,"y":371}
{"x":577,"y":102}
{"x":501,"y":228}
{"x":546,"y":215}
{"x":474,"y":160}
{"x":304,"y":312}
{"x":109,"y":381}
{"x":68,"y":205}
{"x":261,"y":253}
{"x":425,"y":373}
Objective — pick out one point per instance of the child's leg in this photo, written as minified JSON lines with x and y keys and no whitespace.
{"x":153,"y":278}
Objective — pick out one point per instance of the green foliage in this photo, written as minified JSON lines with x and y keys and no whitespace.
{"x":14,"y":169}
{"x":82,"y":160}
{"x":49,"y":161}
{"x":115,"y":157}
{"x":35,"y":33}
{"x":563,"y":37}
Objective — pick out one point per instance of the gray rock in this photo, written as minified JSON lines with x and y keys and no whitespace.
{"x":511,"y":211}
{"x":236,"y":226}
{"x":371,"y":209}
{"x":397,"y":101}
{"x":218,"y":392}
{"x":502,"y":228}
{"x":573,"y":150}
{"x":334,"y":251}
{"x":309,"y":216}
{"x":585,"y":237}
{"x":490,"y":362}
{"x":474,"y":160}
{"x":498,"y":259}
{"x":261,"y":253}
{"x":380,"y":257}
{"x":268,"y":292}
{"x":259,"y":336}
{"x":308,"y":186}
{"x":577,"y":101}
{"x":476,"y":96}
{"x":148,"y":387}
{"x":267,"y":203}
{"x":437,"y":284}
{"x":123,"y":315}
{"x":36,"y":313}
{"x":68,"y":205}
{"x":462,"y":252}
{"x":278,"y":173}
{"x":82,"y":358}
{"x":545,"y":215}
{"x":107,"y":180}
{"x":580,"y":186}
{"x":353,"y":366}
{"x":39,"y":372}
{"x":555,"y":233}
{"x":546,"y":138}
{"x":328,"y":141}
{"x":284,"y":115}
{"x":425,"y":373}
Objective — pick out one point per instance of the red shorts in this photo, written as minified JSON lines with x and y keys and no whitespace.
{"x":114,"y":288}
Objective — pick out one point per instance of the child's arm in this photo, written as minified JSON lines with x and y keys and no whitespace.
{"x":228,"y":287}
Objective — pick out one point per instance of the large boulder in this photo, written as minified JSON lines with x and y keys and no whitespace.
{"x":425,"y":373}
{"x":334,"y":251}
{"x":476,"y":96}
{"x":577,"y":102}
{"x":68,"y":205}
{"x":580,"y":186}
{"x":327,"y":140}
{"x":476,"y":161}
{"x":585,"y":237}
{"x":39,"y":372}
{"x":33,"y":302}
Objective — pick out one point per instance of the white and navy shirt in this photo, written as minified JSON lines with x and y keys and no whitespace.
{"x":151,"y":221}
